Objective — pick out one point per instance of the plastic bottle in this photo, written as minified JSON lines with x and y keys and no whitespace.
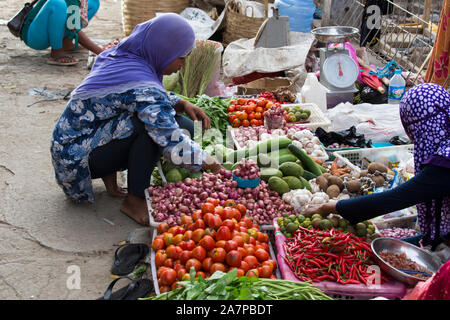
{"x":300,"y":13}
{"x":396,"y":87}
{"x":313,"y":92}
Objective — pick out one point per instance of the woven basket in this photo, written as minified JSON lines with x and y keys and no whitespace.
{"x":138,"y":11}
{"x":238,"y":24}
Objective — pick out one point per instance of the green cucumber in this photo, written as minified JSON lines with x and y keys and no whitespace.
{"x":287,"y":158}
{"x":308,"y":163}
{"x":308,"y":175}
{"x":305,"y":184}
{"x":269,"y":145}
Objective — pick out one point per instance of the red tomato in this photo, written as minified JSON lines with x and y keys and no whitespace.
{"x":287,"y":116}
{"x":187,"y":235}
{"x":265,"y":271}
{"x":270,"y":262}
{"x":252,"y":241}
{"x":162,"y":227}
{"x":231,"y":245}
{"x":252,"y":261}
{"x":177,"y":266}
{"x":168,"y":263}
{"x":198,"y":253}
{"x":159,"y":259}
{"x":262,"y":237}
{"x":242,"y":251}
{"x":187,"y":276}
{"x":228,"y":213}
{"x":242,"y":209}
{"x":248,"y":222}
{"x":261,"y":255}
{"x":251,"y":117}
{"x":233,"y":258}
{"x":219,"y":210}
{"x":250,"y":250}
{"x":180,"y":274}
{"x":230,"y":203}
{"x":216,"y":221}
{"x":197,"y":215}
{"x":223,"y":234}
{"x":193,"y":263}
{"x":207,"y":242}
{"x":218,"y":254}
{"x":241,"y":101}
{"x":168,"y":237}
{"x":244,"y":266}
{"x":173,"y":251}
{"x":253,"y":273}
{"x":258,"y":115}
{"x":231,"y":118}
{"x":229,"y":223}
{"x":207,"y":263}
{"x":245,"y":236}
{"x":236,"y":123}
{"x":163,"y":289}
{"x":186,"y":219}
{"x":185,"y":255}
{"x":160,"y":271}
{"x":197,"y":235}
{"x":190,"y":245}
{"x":177,"y":239}
{"x":239,"y":240}
{"x":220,"y":244}
{"x":158,"y":244}
{"x":215,"y":202}
{"x":261,"y":102}
{"x":210,"y":232}
{"x":199,"y":224}
{"x":231,"y":109}
{"x":245,"y":123}
{"x":254,"y":122}
{"x":217,"y":267}
{"x":207,"y":207}
{"x":236,"y":214}
{"x":200,"y":273}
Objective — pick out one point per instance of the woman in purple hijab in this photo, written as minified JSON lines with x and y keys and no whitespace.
{"x":121,"y":117}
{"x":425,"y":115}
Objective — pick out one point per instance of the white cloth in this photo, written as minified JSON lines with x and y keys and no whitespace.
{"x":241,"y":58}
{"x":378,"y":122}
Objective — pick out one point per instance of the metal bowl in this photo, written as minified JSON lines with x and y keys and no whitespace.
{"x":413,"y":253}
{"x":334,"y":34}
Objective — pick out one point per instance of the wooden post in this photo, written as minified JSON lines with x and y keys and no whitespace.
{"x":326,"y":13}
{"x":266,"y":9}
{"x":426,"y":13}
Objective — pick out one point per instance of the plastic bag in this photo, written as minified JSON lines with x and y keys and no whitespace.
{"x":348,"y":137}
{"x":370,"y":95}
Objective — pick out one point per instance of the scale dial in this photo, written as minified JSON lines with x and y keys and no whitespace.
{"x":340,"y":70}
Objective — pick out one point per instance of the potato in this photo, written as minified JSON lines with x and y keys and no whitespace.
{"x":354,"y":186}
{"x":333,"y":191}
{"x":379,"y":181}
{"x":363,"y":173}
{"x":322,"y":182}
{"x":336,"y":181}
{"x":375,"y":166}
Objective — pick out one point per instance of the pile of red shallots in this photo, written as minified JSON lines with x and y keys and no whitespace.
{"x":247,"y":169}
{"x":171,"y":202}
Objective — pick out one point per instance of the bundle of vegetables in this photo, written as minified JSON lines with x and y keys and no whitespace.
{"x":215,"y":108}
{"x":268,"y":96}
{"x":330,"y":255}
{"x":199,"y":67}
{"x":174,"y":200}
{"x":247,"y":169}
{"x":274,"y":118}
{"x":248,"y":112}
{"x":213,"y":238}
{"x":398,"y":233}
{"x":229,"y":286}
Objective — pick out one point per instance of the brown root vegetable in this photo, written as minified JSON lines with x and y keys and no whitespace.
{"x":354,"y":186}
{"x":379,"y":181}
{"x":326,"y":175}
{"x":363,"y":173}
{"x":336,"y":181}
{"x":322,"y":182}
{"x":333,"y":191}
{"x":375,"y":166}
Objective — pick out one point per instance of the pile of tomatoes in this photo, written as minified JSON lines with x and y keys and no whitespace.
{"x":211,"y":239}
{"x":249,"y":112}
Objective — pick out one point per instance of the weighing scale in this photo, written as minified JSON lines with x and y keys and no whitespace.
{"x":338,"y":71}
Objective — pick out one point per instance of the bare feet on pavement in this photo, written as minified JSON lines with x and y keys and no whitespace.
{"x":136,"y":208}
{"x":112,"y":187}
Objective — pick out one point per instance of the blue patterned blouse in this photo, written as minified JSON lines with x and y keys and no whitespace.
{"x":87,"y":124}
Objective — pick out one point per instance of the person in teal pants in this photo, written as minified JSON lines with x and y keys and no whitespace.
{"x":48,"y":29}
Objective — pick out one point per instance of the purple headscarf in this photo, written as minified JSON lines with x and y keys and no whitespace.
{"x":138,"y":61}
{"x":425,"y":115}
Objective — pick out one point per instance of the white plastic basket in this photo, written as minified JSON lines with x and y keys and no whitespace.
{"x":353,"y":158}
{"x":316,"y":119}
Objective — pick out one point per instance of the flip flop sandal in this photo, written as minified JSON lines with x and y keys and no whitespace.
{"x":59,"y":63}
{"x":138,"y":288}
{"x":127,"y":257}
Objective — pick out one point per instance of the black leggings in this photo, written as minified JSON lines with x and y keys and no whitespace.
{"x":138,"y":153}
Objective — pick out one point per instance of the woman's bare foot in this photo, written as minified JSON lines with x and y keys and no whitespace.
{"x":112,"y":187}
{"x":136,"y":208}
{"x":59,"y":57}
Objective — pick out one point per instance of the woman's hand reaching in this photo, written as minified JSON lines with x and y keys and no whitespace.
{"x":194,"y":112}
{"x":324,"y":210}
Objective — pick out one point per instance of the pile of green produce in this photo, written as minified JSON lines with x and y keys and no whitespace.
{"x":216,"y":109}
{"x":228,"y":286}
{"x":290,"y":223}
{"x":172,"y":174}
{"x":297,"y":113}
